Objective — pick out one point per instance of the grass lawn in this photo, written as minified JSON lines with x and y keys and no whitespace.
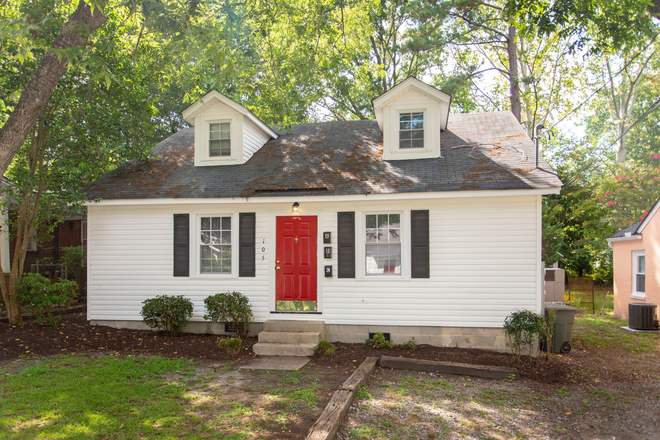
{"x":148,"y":397}
{"x":594,"y":331}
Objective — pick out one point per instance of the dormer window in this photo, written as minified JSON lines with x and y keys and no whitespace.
{"x":219,"y":139}
{"x":411,"y":130}
{"x":412,"y":116}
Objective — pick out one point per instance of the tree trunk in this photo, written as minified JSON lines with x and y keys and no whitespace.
{"x":38,"y":91}
{"x":514,"y":83}
{"x":529,"y":114}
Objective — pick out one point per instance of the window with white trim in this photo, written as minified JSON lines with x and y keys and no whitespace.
{"x":411,"y":130}
{"x":383,"y":244}
{"x":639,"y":273}
{"x":215,"y":244}
{"x":219,"y":139}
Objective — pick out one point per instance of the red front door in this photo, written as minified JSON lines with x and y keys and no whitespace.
{"x":295,"y":272}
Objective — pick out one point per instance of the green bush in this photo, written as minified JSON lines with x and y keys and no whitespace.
{"x":326,"y":348}
{"x":379,"y":341}
{"x":43,"y":299}
{"x":232,"y":308}
{"x":524,"y":328}
{"x":411,"y":344}
{"x":169,"y":313}
{"x":230,"y":344}
{"x":75,"y":259}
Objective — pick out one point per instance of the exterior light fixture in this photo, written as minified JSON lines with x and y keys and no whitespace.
{"x":295,"y":207}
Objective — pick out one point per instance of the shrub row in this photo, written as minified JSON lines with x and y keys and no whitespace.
{"x":172,"y":313}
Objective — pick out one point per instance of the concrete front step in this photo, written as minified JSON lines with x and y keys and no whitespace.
{"x":290,"y":337}
{"x":274,"y":349}
{"x":294,"y":326}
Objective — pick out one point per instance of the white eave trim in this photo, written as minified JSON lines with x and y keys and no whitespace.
{"x":190,"y":113}
{"x":647,"y":219}
{"x":329,"y":199}
{"x":424,"y":88}
{"x":618,"y":239}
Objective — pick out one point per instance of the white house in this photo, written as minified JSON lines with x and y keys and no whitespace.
{"x":419,"y":223}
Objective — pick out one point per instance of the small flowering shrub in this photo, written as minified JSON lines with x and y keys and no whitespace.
{"x":168,"y":313}
{"x":231,"y":308}
{"x":230,"y":344}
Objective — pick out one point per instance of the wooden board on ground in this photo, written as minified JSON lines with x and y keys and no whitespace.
{"x":448,"y":368}
{"x":328,"y":423}
{"x":361,"y":374}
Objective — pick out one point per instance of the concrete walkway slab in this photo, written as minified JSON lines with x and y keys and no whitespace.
{"x":282,"y":363}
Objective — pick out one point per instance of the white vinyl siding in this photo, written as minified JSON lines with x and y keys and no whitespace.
{"x":484,"y":262}
{"x":253,"y":139}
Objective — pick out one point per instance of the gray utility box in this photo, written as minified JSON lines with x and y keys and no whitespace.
{"x":563,"y":330}
{"x":555,"y":284}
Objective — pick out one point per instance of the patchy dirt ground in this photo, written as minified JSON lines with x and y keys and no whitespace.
{"x":607,"y":387}
{"x":612,"y":392}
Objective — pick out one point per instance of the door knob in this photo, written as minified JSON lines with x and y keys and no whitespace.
{"x":277,"y":268}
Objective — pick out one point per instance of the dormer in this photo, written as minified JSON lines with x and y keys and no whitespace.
{"x":226,"y":133}
{"x":411,"y":116}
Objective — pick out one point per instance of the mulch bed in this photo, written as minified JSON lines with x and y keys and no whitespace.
{"x":553,"y":370}
{"x":76,"y":335}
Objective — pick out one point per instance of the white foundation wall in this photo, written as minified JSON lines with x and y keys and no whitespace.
{"x":484,"y":261}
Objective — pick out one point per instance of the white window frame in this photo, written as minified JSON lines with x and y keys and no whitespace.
{"x":208,"y":139}
{"x":363,"y":240}
{"x":635,"y":271}
{"x":412,"y":151}
{"x":403,"y":112}
{"x":234,"y":246}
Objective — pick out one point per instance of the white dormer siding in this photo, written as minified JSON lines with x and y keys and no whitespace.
{"x":253,"y":139}
{"x":246,"y":133}
{"x":412,"y":100}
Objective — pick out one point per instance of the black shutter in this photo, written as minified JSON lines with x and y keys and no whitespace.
{"x":246,"y":250}
{"x":346,"y":244}
{"x":181,"y":245}
{"x":420,"y":244}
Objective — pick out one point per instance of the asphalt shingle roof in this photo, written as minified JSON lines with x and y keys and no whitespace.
{"x":482,"y":151}
{"x":632,"y":229}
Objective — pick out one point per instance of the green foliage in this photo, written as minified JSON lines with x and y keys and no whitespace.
{"x":168,"y":313}
{"x":75,"y":258}
{"x":379,"y":341}
{"x":362,"y":392}
{"x":45,"y":300}
{"x":326,"y":348}
{"x":231,"y":308}
{"x":230,"y":344}
{"x":523,"y":328}
{"x":411,"y":344}
{"x":598,"y":25}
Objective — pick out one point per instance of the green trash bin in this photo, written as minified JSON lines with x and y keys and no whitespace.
{"x":563,"y":330}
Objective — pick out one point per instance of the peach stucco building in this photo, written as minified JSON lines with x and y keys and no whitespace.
{"x":637,"y":263}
